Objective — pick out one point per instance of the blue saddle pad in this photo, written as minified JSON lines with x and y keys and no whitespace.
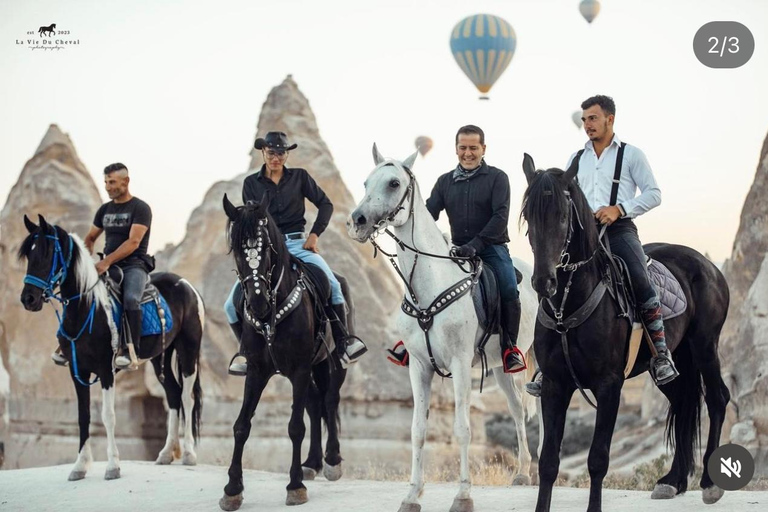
{"x":150,"y":320}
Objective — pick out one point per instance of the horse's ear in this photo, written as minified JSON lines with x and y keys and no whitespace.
{"x":31,"y":226}
{"x":377,"y":158}
{"x":529,"y":168}
{"x":572,"y":171}
{"x":43,"y":223}
{"x":408,"y":162}
{"x":264,"y":203}
{"x":229,"y":208}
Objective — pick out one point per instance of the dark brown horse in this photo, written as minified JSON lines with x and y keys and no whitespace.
{"x":560,"y":222}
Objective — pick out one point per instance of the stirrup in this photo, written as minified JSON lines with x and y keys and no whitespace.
{"x":513,"y":350}
{"x":237,"y":369}
{"x":533,"y":387}
{"x":347,"y":358}
{"x":671,"y":377}
{"x":398,"y":358}
{"x":59,"y":359}
{"x":127,"y":362}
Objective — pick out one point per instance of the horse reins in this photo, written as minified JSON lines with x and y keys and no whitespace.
{"x":56,"y":277}
{"x":266,"y":328}
{"x":425,"y":316}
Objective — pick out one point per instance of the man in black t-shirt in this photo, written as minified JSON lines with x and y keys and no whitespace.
{"x":126,"y":220}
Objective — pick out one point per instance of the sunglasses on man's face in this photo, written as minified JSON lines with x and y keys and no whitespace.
{"x":271,"y":155}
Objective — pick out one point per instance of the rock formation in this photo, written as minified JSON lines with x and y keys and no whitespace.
{"x":40,"y":405}
{"x":744,"y":342}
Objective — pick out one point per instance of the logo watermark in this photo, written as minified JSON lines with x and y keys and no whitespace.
{"x":49,"y":38}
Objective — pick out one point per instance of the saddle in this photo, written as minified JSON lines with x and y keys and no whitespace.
{"x":156,"y":315}
{"x":486,"y":299}
{"x":671,"y":296}
{"x":668,"y":289}
{"x":318,"y":286}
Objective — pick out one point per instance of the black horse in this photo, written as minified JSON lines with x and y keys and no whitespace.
{"x":560,"y":223}
{"x":47,"y":30}
{"x":275,"y":290}
{"x":88,"y":337}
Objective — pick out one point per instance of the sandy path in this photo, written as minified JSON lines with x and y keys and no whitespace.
{"x":146,"y":487}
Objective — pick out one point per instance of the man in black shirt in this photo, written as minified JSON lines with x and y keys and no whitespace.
{"x":126,"y":220}
{"x":476,"y":198}
{"x":286,"y":189}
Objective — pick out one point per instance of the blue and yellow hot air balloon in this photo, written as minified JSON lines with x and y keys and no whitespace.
{"x":483,"y":46}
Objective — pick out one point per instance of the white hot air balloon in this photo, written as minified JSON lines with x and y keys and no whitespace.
{"x":589,"y":9}
{"x":576,"y":118}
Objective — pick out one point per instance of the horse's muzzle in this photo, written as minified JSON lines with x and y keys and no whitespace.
{"x":31,"y":301}
{"x":545,"y":286}
{"x":358,"y":226}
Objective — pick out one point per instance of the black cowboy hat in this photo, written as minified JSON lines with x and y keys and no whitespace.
{"x":277,"y":141}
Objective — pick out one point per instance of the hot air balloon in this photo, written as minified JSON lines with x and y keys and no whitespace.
{"x":423,"y":144}
{"x":483,"y":46}
{"x":576,"y":118}
{"x":589,"y":9}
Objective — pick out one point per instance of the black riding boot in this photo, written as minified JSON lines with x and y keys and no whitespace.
{"x":126,"y":357}
{"x":511,"y":357}
{"x":238,"y":365}
{"x":348,"y":346}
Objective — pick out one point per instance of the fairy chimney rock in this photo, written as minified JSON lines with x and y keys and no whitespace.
{"x":202,"y":258}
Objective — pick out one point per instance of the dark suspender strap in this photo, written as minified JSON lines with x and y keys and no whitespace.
{"x":617,"y":174}
{"x":577,"y":158}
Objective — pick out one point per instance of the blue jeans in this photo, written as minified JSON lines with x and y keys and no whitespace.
{"x":134,"y":281}
{"x":295,"y":247}
{"x":497,"y":257}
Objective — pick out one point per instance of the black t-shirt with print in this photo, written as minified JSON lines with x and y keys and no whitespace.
{"x":116,"y":220}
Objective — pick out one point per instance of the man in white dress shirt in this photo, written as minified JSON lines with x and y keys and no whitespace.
{"x":597,"y":168}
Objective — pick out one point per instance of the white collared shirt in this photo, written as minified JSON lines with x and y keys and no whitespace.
{"x":596,"y":178}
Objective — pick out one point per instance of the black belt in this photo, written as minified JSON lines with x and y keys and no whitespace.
{"x":294,"y":236}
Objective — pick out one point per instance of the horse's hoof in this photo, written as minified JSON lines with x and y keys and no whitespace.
{"x":309,"y":473}
{"x":164,"y":459}
{"x":409,"y":507}
{"x":332,"y":473}
{"x":711,"y":495}
{"x":231,"y":502}
{"x":663,"y":492}
{"x":112,"y":474}
{"x":522,"y":480}
{"x":296,"y":497}
{"x":189,"y":459}
{"x":76,"y":475}
{"x":462,"y":505}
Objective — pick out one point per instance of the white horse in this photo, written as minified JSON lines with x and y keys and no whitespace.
{"x":392,"y":198}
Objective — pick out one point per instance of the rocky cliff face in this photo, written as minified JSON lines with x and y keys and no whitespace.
{"x":744,"y":342}
{"x":39,"y":403}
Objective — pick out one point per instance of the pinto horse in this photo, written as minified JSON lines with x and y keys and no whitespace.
{"x":88,"y":338}
{"x":569,"y":264}
{"x":279,"y":338}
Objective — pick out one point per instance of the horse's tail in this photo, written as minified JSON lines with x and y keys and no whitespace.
{"x":685,"y":393}
{"x":196,"y":332}
{"x":197,"y":396}
{"x":529,"y":402}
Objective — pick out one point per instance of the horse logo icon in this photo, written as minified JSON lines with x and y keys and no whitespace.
{"x":47,"y":30}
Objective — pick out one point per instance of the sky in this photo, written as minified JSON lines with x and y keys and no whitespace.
{"x":174,"y":89}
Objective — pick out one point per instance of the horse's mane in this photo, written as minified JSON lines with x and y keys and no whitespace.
{"x":81,"y":266}
{"x":545,"y":199}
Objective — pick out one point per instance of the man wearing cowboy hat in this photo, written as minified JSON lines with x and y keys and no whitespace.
{"x":286,"y":189}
